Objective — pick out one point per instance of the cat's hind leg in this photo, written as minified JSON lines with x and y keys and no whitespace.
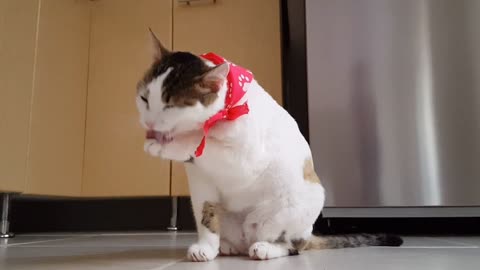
{"x":267,"y":250}
{"x":275,"y":229}
{"x":271,"y":239}
{"x":284,"y":245}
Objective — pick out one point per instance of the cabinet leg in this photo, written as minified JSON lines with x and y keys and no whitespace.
{"x":173,"y":219}
{"x":5,"y":223}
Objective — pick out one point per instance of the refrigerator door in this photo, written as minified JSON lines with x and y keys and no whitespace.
{"x":394,"y":101}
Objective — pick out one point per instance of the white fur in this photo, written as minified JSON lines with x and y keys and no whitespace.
{"x":252,"y":166}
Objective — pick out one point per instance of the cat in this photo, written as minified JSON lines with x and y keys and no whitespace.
{"x":253,"y":186}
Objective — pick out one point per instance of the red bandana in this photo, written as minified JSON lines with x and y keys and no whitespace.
{"x":238,"y":82}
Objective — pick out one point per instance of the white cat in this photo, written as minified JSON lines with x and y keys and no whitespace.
{"x":253,"y":186}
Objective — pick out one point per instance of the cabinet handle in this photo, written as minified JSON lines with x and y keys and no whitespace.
{"x":188,"y":2}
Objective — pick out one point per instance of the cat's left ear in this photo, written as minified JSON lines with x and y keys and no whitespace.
{"x":216,"y":76}
{"x":158,"y":49}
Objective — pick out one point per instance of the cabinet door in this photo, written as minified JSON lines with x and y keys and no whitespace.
{"x":57,"y":130}
{"x":115,"y":164}
{"x":18,"y":21}
{"x":245,"y":32}
{"x":179,"y":180}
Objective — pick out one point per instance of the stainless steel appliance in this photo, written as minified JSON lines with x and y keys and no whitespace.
{"x":394,"y":105}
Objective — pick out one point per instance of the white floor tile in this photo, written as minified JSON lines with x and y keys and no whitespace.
{"x":159,"y":251}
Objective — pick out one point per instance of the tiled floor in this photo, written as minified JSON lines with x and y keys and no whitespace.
{"x":158,"y":251}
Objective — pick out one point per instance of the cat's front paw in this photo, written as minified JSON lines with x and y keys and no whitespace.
{"x":201,"y":253}
{"x":152,"y":147}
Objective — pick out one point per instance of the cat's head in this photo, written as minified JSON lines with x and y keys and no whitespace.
{"x":180,"y":91}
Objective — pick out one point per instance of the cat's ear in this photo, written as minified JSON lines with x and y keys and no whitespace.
{"x":158,"y":49}
{"x":216,"y":76}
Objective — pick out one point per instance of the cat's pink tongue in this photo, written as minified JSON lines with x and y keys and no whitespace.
{"x":150,"y":134}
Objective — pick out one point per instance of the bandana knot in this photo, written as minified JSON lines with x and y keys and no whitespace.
{"x":238,"y":82}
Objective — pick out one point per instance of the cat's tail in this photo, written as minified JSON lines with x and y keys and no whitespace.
{"x":353,"y":240}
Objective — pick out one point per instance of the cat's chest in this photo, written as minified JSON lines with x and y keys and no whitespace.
{"x":243,"y":198}
{"x":240,"y":201}
{"x":232,"y":167}
{"x":228,"y":173}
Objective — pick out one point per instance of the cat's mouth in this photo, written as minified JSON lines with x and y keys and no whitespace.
{"x":160,"y":137}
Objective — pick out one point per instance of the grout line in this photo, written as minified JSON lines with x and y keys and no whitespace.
{"x":94,"y":245}
{"x":62,"y":235}
{"x":44,"y":241}
{"x":168,"y":264}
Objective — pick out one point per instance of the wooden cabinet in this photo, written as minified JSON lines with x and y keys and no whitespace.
{"x":43,"y":75}
{"x":246,"y":32}
{"x":57,"y":124}
{"x":17,"y":49}
{"x":179,"y":180}
{"x":115,"y":164}
{"x":68,"y":73}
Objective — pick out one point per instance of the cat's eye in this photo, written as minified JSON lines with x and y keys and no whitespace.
{"x":144,"y":99}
